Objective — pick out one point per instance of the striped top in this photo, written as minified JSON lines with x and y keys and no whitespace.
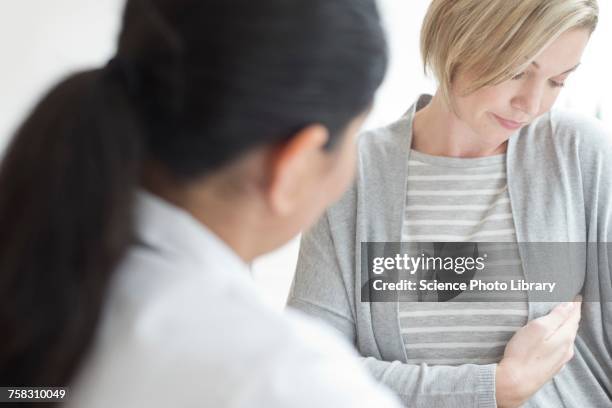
{"x":459,"y":200}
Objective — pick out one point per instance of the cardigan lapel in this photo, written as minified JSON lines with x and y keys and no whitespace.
{"x":386,"y":177}
{"x":549,"y":254}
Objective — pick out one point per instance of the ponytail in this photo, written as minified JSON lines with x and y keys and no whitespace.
{"x":67,"y":184}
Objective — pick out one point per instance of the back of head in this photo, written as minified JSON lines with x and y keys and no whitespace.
{"x":495,"y":39}
{"x":216,"y":71}
{"x":194,"y":85}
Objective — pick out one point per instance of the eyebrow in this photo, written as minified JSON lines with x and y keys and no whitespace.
{"x":566,"y":72}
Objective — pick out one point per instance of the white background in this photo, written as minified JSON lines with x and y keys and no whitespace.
{"x":41,"y":41}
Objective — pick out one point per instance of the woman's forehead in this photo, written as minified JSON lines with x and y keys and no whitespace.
{"x":563,"y":55}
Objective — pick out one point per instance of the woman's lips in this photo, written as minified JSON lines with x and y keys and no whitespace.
{"x":509,"y":124}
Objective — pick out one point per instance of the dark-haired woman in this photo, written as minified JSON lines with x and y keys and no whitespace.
{"x":133,"y":196}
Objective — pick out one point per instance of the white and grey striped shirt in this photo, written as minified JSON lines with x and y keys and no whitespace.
{"x":460,"y":200}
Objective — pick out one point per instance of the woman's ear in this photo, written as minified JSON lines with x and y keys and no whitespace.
{"x":297,"y":166}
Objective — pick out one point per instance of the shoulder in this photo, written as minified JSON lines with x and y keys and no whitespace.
{"x":169,"y":328}
{"x":196,"y":344}
{"x":589,"y":134}
{"x":394,"y":137}
{"x":569,"y":139}
{"x":378,"y":142}
{"x":161,"y":292}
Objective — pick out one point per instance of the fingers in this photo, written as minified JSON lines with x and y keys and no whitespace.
{"x":558,"y":317}
{"x":541,"y":349}
{"x":570,"y":326}
{"x":564,"y":337}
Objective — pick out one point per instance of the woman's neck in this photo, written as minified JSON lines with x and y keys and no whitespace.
{"x":234,"y":221}
{"x":438,"y":131}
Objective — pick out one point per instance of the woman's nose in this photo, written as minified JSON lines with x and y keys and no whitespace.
{"x":528,"y":101}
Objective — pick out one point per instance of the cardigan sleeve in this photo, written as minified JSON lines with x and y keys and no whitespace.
{"x":321,"y":290}
{"x":594,"y":170}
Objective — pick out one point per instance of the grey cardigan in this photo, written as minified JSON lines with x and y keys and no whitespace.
{"x":559,"y":171}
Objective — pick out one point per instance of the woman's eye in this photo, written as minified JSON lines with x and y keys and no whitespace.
{"x":556,"y":84}
{"x":518,"y":76}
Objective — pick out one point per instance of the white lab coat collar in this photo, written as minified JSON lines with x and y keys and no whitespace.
{"x":172,"y":230}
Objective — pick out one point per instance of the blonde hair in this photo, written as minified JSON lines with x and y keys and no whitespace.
{"x":495,"y":39}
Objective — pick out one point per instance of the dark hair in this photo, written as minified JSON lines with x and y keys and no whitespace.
{"x":193,"y":85}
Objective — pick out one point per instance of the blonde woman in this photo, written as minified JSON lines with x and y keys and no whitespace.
{"x":484,"y":159}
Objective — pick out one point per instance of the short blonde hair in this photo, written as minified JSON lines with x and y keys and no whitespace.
{"x":495,"y":39}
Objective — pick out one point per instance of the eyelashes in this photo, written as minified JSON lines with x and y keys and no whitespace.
{"x":553,"y":84}
{"x":556,"y":84}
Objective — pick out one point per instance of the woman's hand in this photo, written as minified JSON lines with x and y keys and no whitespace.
{"x":537,"y":352}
